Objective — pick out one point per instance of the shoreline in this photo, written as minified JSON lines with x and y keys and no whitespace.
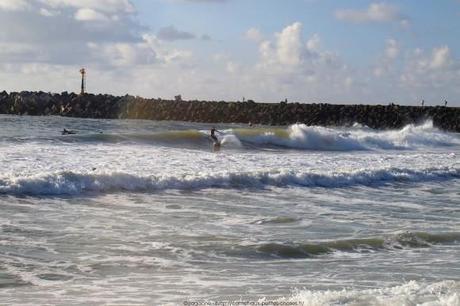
{"x":129,"y":107}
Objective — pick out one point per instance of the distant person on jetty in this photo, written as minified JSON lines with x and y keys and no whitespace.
{"x":445,"y":103}
{"x":67,"y":132}
{"x":423,"y":103}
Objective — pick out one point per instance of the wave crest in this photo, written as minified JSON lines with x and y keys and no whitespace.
{"x":411,"y":293}
{"x":301,"y":136}
{"x":297,"y":136}
{"x":397,"y":241}
{"x":62,"y":183}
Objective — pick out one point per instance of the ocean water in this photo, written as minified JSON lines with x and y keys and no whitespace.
{"x":145,"y":213}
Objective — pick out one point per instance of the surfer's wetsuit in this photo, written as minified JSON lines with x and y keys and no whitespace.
{"x":213,"y":135}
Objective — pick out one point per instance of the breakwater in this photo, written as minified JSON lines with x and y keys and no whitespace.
{"x":130,"y":107}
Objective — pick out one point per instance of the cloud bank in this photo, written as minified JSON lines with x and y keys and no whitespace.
{"x":47,"y":41}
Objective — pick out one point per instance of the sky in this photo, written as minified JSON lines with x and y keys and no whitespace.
{"x":312,"y":51}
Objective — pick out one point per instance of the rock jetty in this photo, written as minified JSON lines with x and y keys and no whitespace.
{"x":130,"y":107}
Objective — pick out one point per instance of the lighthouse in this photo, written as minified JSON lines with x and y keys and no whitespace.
{"x":83,"y":80}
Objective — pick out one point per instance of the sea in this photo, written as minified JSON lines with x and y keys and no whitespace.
{"x":134,"y":212}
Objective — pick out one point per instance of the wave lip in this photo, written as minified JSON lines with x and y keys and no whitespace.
{"x":301,"y":136}
{"x":296,"y":136}
{"x":71,"y":183}
{"x":398,"y":241}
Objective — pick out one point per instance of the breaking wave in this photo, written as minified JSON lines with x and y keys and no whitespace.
{"x":395,"y":242}
{"x":297,"y":136}
{"x":62,"y":183}
{"x":443,"y":293}
{"x":300,"y":136}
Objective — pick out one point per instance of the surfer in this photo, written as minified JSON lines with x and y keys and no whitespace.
{"x":67,"y":132}
{"x":213,"y":135}
{"x":216,"y":142}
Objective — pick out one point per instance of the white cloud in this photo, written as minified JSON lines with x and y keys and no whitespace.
{"x":290,"y":66}
{"x":87,"y":14}
{"x":392,"y":49}
{"x":254,"y":35}
{"x":48,"y":13}
{"x":405,"y":23}
{"x":231,"y":67}
{"x":164,"y":52}
{"x":314,"y":43}
{"x":50,"y":7}
{"x":13,"y":5}
{"x":409,"y":76}
{"x":49,"y":40}
{"x":289,"y":45}
{"x":440,"y":58}
{"x":386,"y":63}
{"x":376,"y":12}
{"x":348,"y":82}
{"x":289,"y":53}
{"x":431,"y":74}
{"x":123,"y":54}
{"x":99,"y":33}
{"x":48,"y":22}
{"x":106,"y":6}
{"x":16,"y":52}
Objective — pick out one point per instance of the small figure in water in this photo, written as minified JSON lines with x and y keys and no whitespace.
{"x":216,"y":145}
{"x":67,"y":132}
{"x":213,"y":135}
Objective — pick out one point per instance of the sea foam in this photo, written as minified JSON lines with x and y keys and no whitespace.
{"x":68,"y":182}
{"x":443,"y":293}
{"x":301,"y":136}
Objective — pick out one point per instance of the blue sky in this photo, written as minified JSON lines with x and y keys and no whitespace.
{"x":304,"y":50}
{"x":432,"y":22}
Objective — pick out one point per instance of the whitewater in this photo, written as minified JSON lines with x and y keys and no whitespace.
{"x":133,"y":212}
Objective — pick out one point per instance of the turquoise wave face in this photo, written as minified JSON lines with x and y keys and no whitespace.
{"x":294,"y":137}
{"x":399,"y":241}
